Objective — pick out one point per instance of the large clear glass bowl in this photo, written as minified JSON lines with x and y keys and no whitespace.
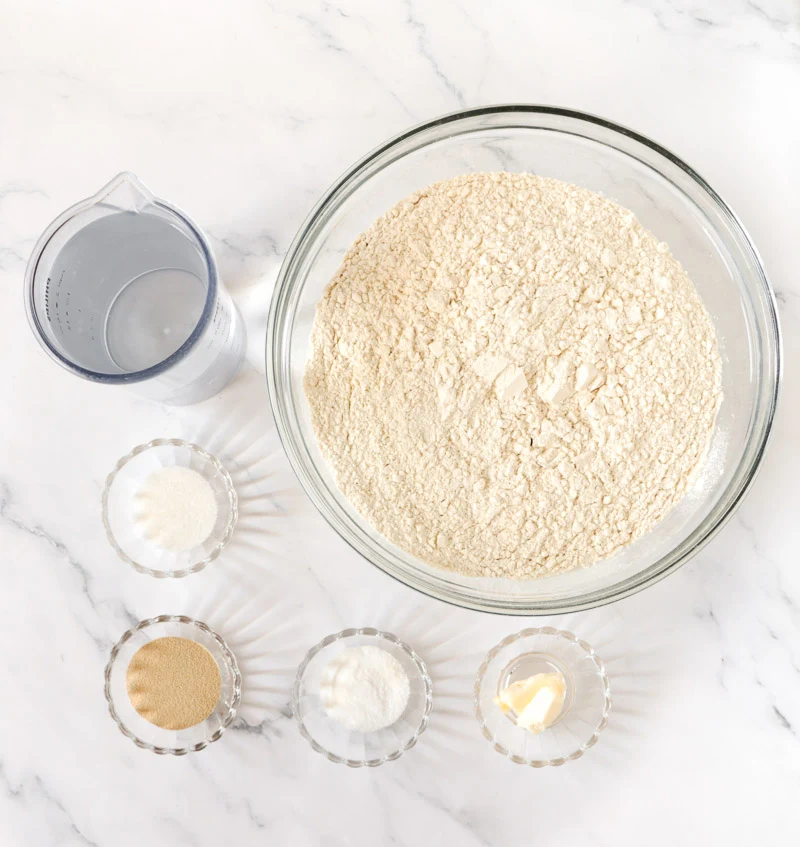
{"x":671,"y":200}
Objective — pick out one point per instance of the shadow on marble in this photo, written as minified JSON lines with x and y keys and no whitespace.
{"x":264,"y":629}
{"x":639,"y":676}
{"x":639,"y":672}
{"x":246,"y":259}
{"x":245,"y":431}
{"x":439,"y":640}
{"x":249,"y":594}
{"x":270,"y":499}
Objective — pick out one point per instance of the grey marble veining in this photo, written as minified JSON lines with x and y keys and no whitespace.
{"x":243,"y":116}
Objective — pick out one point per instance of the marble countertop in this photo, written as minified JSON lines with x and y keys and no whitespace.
{"x":242,"y":114}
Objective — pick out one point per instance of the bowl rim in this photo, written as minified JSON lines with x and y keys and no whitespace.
{"x":380,"y":635}
{"x":229,"y":658}
{"x":233,"y":502}
{"x":458,"y":596}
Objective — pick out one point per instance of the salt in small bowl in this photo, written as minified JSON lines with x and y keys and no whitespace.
{"x":349,"y":747}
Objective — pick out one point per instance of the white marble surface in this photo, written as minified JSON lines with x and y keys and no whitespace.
{"x":243,"y":113}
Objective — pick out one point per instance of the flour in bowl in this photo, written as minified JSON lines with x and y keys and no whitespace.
{"x":509,"y":376}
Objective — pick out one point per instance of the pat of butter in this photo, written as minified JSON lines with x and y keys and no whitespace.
{"x":536,"y":701}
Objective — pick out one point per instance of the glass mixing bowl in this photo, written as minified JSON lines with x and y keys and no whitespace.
{"x":668,"y":198}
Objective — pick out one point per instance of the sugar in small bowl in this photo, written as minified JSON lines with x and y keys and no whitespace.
{"x":169,"y":508}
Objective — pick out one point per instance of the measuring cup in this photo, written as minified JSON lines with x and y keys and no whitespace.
{"x":123,"y":289}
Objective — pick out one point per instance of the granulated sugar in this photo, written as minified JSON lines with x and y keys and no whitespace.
{"x":176,"y":508}
{"x":510,"y":376}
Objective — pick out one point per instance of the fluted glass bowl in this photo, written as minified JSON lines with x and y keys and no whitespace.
{"x":349,"y":747}
{"x":586,"y":704}
{"x":125,"y":532}
{"x":148,"y":736}
{"x":668,"y":198}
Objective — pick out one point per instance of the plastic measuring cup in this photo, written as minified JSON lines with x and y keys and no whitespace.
{"x":123,"y":289}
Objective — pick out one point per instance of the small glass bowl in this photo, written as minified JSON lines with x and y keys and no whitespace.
{"x":125,"y":533}
{"x":147,"y":735}
{"x":348,"y":747}
{"x":586,"y":705}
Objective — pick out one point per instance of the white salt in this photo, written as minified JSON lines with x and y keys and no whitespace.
{"x":176,"y":508}
{"x":364,"y":689}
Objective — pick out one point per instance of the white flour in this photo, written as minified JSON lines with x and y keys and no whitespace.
{"x":510,"y":376}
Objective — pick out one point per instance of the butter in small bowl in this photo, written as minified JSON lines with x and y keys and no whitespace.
{"x":536,"y":701}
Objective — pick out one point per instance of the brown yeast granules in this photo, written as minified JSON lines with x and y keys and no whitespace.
{"x":173,"y":683}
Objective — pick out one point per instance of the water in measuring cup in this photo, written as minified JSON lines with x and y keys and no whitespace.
{"x":125,"y":292}
{"x":152,"y":316}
